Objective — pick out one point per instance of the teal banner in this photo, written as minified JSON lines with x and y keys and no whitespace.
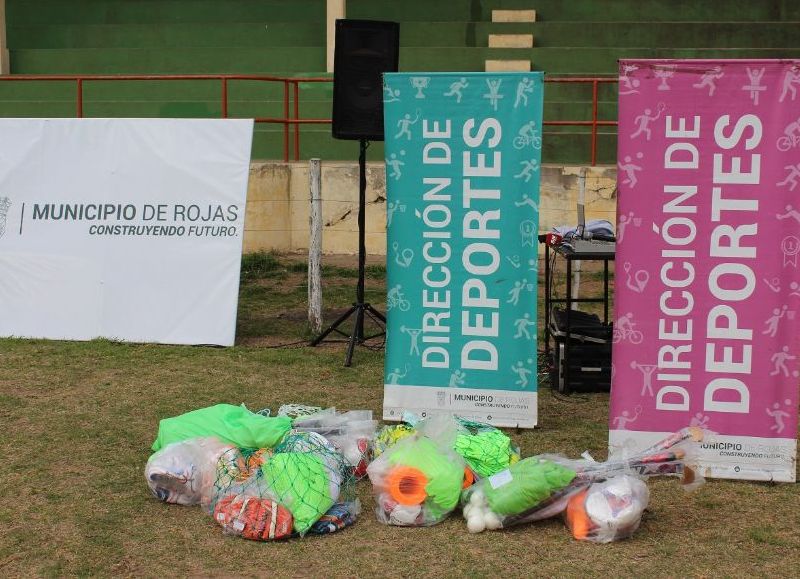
{"x":462,"y":176}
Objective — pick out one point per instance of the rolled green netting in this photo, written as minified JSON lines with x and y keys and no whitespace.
{"x":234,"y":425}
{"x":275,"y":495}
{"x":485,"y":448}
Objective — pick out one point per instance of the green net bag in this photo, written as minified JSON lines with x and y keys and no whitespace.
{"x":304,"y":482}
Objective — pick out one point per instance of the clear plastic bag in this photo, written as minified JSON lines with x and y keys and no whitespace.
{"x":540,"y":487}
{"x":486,"y":449}
{"x":184,"y":472}
{"x":350,"y":432}
{"x":418,"y":480}
{"x":608,"y":511}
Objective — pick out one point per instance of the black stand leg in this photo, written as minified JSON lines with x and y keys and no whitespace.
{"x":359,"y":308}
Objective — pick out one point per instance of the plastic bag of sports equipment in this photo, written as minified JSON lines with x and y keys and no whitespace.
{"x":486,"y":449}
{"x":539,"y":487}
{"x":608,"y":511}
{"x":184,"y":472}
{"x":350,"y":432}
{"x":234,"y":425}
{"x":418,"y":480}
{"x":290,"y":491}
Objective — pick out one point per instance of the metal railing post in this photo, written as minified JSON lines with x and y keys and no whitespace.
{"x":286,"y":120}
{"x":224,"y":97}
{"x":79,"y":87}
{"x":594,"y":122}
{"x":295,"y":86}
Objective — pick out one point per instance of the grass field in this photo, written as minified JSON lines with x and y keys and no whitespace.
{"x":78,"y":419}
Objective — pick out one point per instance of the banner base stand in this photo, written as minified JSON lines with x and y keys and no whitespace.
{"x":357,"y":336}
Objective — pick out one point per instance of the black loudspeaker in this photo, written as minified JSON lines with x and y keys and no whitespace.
{"x":365,"y":49}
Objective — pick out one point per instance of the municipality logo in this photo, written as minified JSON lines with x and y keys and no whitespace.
{"x":5,"y":205}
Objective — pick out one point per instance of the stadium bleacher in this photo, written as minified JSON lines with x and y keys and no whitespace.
{"x":287,"y":38}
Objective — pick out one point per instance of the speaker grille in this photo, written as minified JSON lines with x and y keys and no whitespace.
{"x":365,"y":49}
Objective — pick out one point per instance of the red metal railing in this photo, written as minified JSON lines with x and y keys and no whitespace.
{"x":595,"y":122}
{"x":291,"y":99}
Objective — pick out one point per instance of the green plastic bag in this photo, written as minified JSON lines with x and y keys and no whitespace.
{"x":234,"y":425}
{"x":525,"y":485}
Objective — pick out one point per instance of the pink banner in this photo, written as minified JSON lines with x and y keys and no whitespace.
{"x":707,"y":281}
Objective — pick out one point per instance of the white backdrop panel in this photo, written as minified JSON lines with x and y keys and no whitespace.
{"x":128,"y":229}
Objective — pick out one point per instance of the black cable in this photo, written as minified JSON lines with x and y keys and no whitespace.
{"x":289,"y":345}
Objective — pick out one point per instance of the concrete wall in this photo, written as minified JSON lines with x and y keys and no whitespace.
{"x":278,"y":204}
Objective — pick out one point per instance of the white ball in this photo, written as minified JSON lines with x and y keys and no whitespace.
{"x":476,"y":498}
{"x":492,"y":521}
{"x":404,"y":516}
{"x":467,"y":510}
{"x":475,"y":524}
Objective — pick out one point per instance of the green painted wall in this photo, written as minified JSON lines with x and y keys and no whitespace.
{"x":287,"y":37}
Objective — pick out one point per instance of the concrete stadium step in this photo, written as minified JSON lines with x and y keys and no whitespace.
{"x":263,"y":34}
{"x":417,"y":10}
{"x":671,"y":34}
{"x":242,"y":34}
{"x":579,"y":10}
{"x":556,"y":61}
{"x":174,"y":61}
{"x":232,"y":60}
{"x":661,"y":10}
{"x":456,"y":33}
{"x":514,"y":15}
{"x":511,"y":41}
{"x":27,"y":13}
{"x":507,"y":65}
{"x":547,"y":34}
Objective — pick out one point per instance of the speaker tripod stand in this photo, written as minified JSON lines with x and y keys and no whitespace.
{"x":360,"y":309}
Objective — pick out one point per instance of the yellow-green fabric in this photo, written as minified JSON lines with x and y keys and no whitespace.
{"x":234,"y":425}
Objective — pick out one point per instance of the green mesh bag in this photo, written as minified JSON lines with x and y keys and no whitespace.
{"x":258,"y":493}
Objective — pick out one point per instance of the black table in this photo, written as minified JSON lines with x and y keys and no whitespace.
{"x":569,"y":255}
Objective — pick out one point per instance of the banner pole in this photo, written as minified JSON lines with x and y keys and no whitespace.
{"x":576,"y":272}
{"x":362,"y":248}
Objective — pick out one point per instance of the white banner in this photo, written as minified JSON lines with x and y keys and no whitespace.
{"x":735,"y":457}
{"x":128,"y":229}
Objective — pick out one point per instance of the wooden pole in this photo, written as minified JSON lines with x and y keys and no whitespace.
{"x":315,"y":247}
